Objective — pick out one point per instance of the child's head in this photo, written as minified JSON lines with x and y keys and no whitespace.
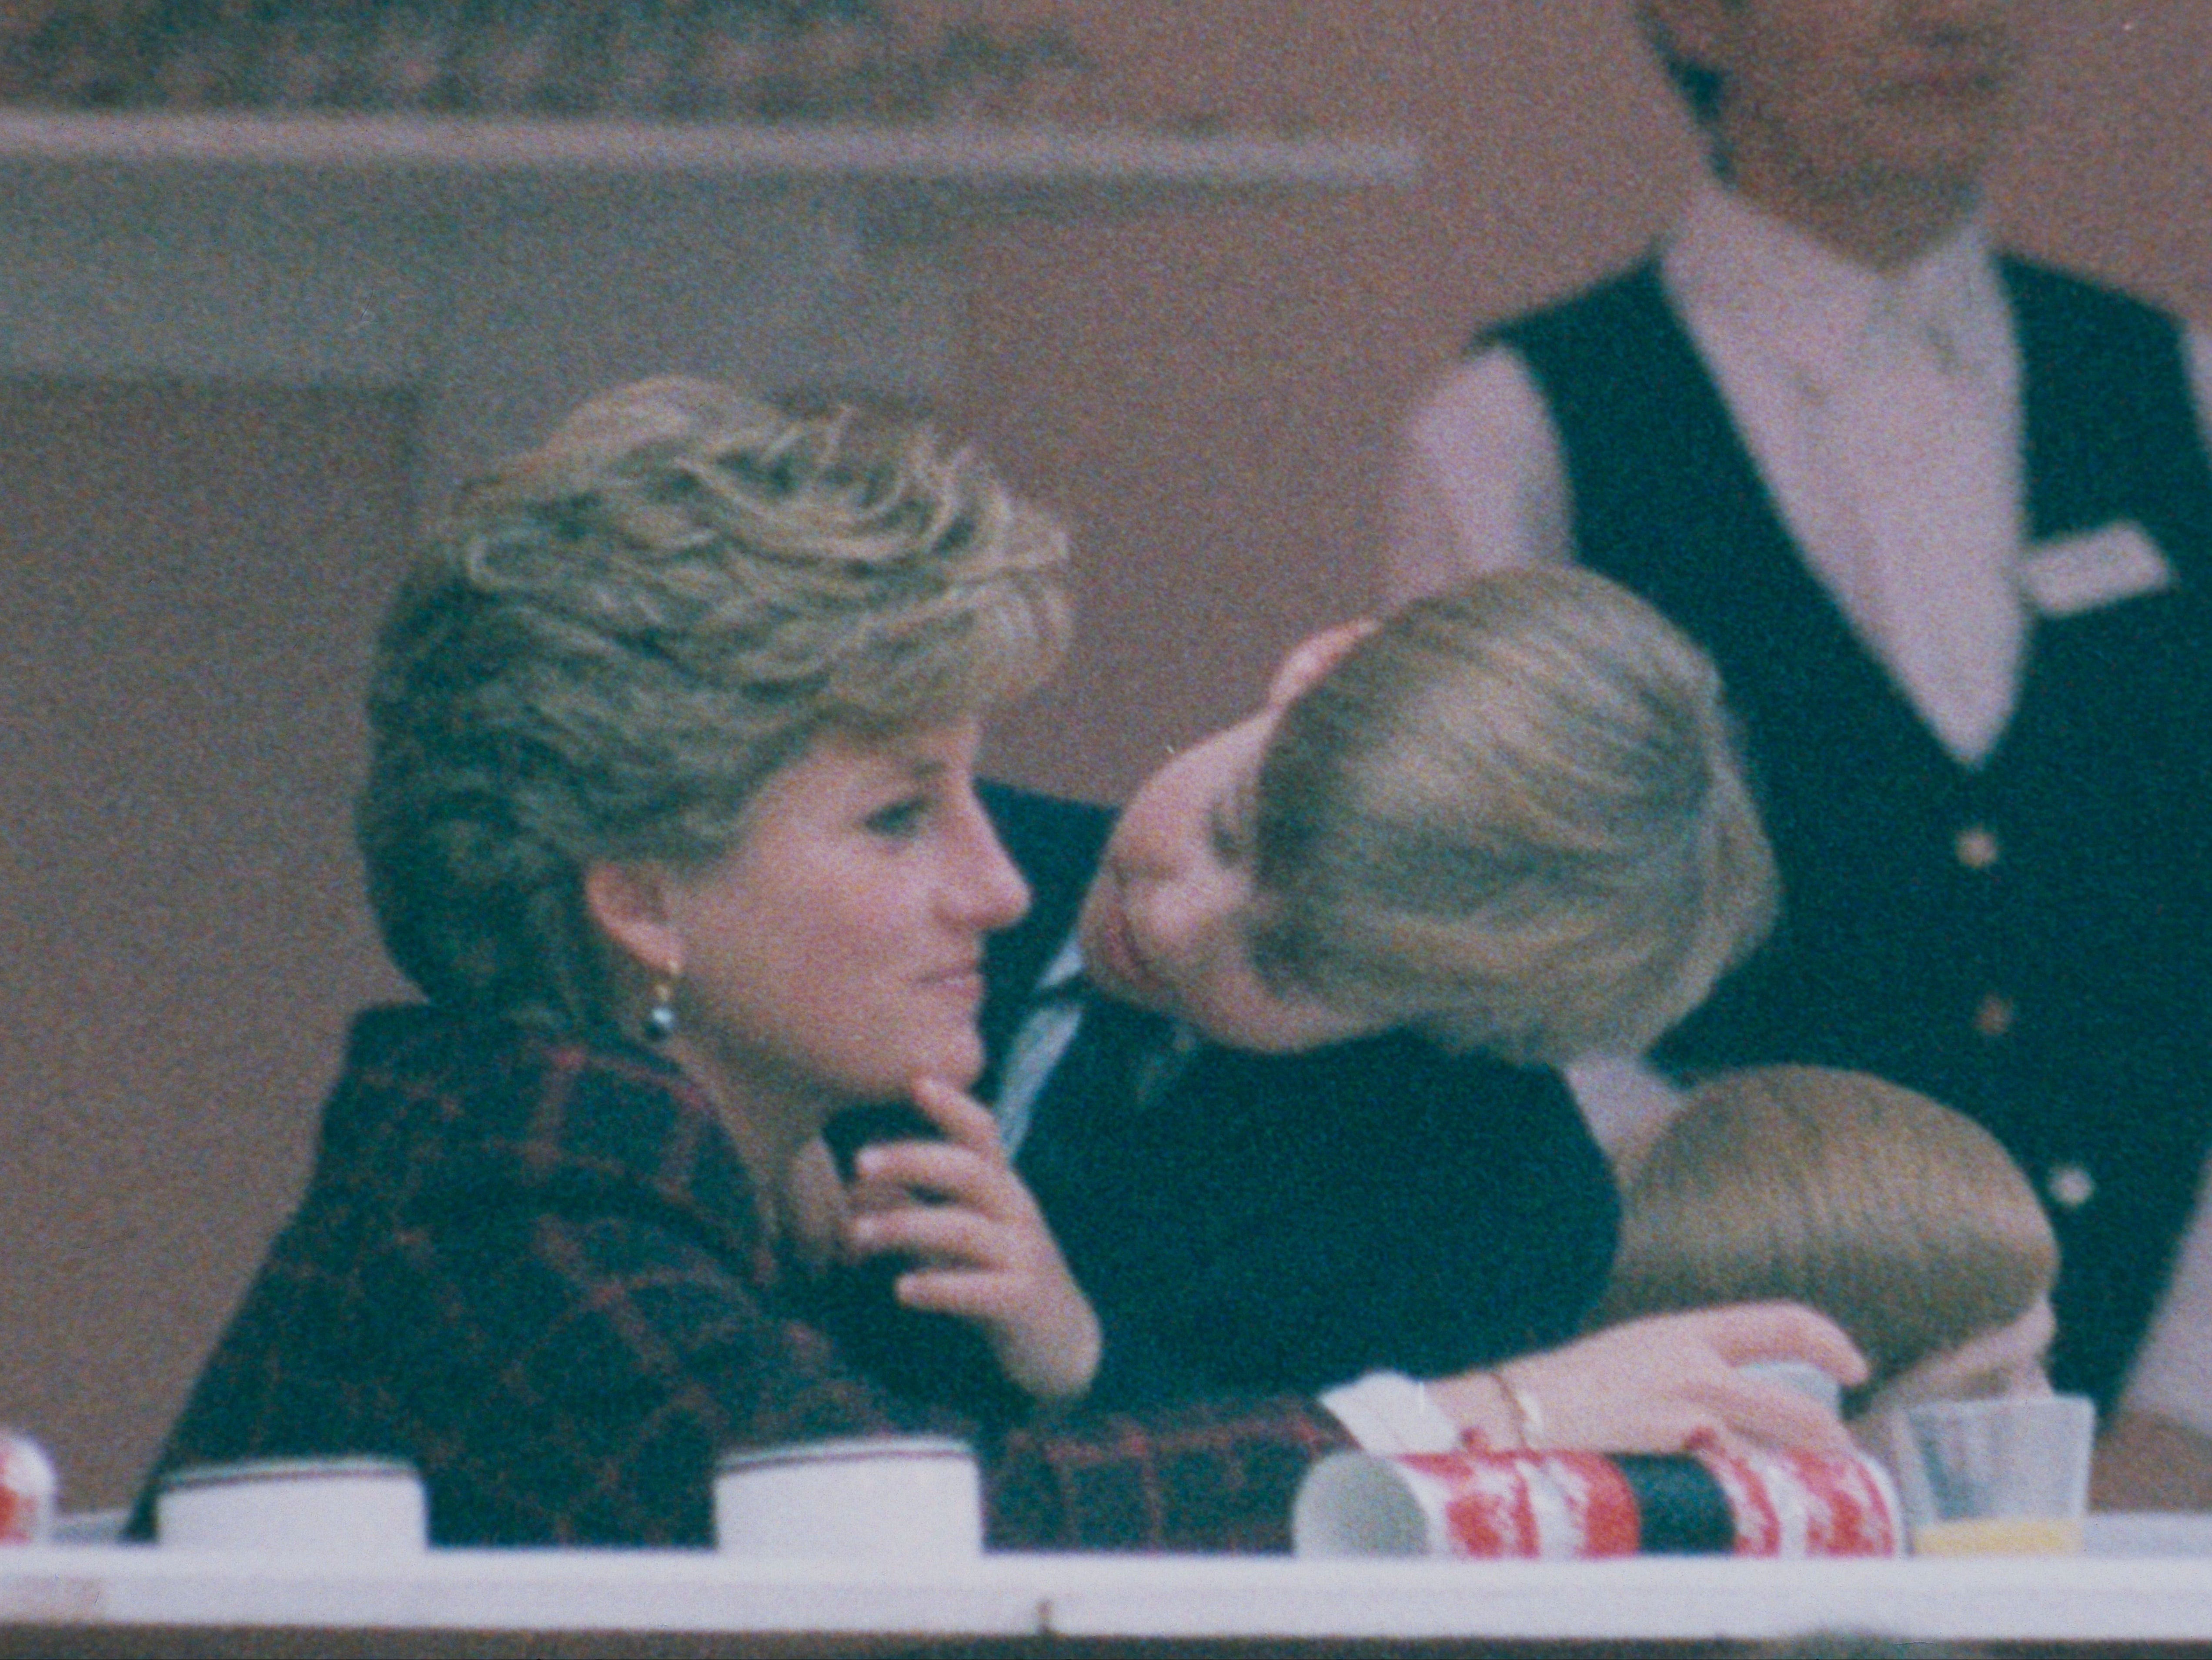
{"x":1902,"y":1221}
{"x":1510,"y":816}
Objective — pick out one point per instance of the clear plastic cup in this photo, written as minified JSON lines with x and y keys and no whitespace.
{"x":2008,"y":1476}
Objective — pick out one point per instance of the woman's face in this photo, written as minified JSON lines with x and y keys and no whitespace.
{"x":1167,"y":922}
{"x":836,"y":953}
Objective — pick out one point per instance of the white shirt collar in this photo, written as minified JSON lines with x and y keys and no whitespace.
{"x":1735,"y":265}
{"x":1067,"y":963}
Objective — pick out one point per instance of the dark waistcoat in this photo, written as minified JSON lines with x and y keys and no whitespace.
{"x":2024,"y":940}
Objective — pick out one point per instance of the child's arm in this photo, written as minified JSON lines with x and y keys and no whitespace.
{"x":983,"y":1249}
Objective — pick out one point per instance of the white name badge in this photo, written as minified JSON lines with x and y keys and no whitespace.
{"x":2098,"y":567}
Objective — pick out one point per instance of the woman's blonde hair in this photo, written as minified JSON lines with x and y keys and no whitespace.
{"x":1512,"y":816}
{"x":1902,"y":1221}
{"x":614,"y":640}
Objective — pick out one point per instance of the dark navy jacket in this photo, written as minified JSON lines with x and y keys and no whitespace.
{"x":2025,"y":940}
{"x":1292,"y":1221}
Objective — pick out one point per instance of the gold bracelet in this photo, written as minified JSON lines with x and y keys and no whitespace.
{"x":1527,"y":1412}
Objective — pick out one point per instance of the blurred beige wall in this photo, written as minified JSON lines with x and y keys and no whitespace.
{"x":192,"y":575}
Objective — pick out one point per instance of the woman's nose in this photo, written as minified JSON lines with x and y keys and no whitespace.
{"x":990,"y":893}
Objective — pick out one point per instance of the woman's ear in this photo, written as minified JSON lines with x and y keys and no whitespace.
{"x":1313,"y":656}
{"x":630,"y":903}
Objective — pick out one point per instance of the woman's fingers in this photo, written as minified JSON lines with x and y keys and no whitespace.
{"x":1774,"y":1415}
{"x":1757,"y":1410}
{"x":1744,"y":1332}
{"x":1656,"y":1384}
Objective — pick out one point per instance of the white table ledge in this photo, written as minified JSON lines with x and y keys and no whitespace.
{"x":108,"y":1599}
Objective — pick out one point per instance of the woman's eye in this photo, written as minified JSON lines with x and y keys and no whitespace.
{"x":897,"y":819}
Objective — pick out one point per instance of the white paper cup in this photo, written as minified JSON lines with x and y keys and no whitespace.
{"x":2006,"y":1477}
{"x":1357,"y":1504}
{"x":330,"y":1506}
{"x":913,"y":1497}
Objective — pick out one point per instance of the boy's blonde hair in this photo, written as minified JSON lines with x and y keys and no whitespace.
{"x":1902,"y":1221}
{"x":1512,"y":817}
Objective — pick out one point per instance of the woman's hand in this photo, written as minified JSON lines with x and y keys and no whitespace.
{"x":1666,"y":1383}
{"x":983,"y":1250}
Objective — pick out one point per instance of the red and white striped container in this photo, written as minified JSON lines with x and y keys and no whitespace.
{"x":1563,"y":1504}
{"x":27,"y":1491}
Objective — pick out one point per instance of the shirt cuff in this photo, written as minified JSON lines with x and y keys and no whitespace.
{"x":1388,"y":1413}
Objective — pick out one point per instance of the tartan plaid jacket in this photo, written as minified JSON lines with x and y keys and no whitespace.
{"x":532,"y":1266}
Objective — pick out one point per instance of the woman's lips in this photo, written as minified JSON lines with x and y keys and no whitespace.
{"x":963,"y":982}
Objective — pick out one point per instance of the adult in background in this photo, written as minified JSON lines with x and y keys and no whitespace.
{"x":1944,"y":519}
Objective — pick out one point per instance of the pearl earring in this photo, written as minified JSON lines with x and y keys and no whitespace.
{"x":660,"y":1018}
